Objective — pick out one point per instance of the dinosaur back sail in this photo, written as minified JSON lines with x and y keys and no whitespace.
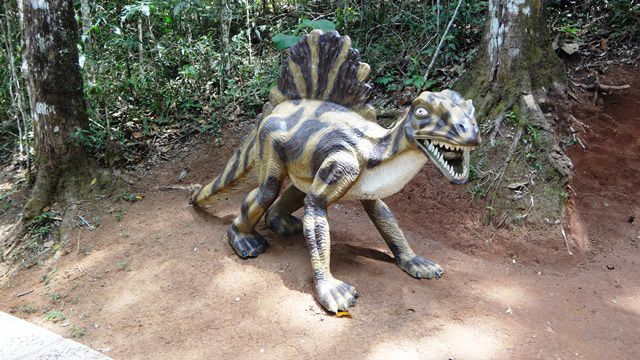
{"x":323,"y":66}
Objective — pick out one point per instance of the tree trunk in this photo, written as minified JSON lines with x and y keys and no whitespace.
{"x":514,"y":67}
{"x":225,"y":52}
{"x":55,"y":95}
{"x":85,"y":11}
{"x":17,"y":94}
{"x":515,"y":56}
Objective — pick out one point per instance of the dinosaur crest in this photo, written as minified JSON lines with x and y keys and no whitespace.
{"x":324,"y":66}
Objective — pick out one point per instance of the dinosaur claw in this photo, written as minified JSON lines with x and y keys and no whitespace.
{"x":335,"y":295}
{"x":246,"y":244}
{"x":420,"y":268}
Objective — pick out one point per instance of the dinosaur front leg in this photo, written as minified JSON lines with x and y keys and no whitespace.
{"x":279,"y":219}
{"x":405,"y":258}
{"x":332,"y":181}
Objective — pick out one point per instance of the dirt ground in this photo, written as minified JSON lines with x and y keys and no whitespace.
{"x":163,"y":283}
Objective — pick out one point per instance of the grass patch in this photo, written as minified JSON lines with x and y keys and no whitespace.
{"x":28,"y":308}
{"x":77,"y":331}
{"x":55,"y":316}
{"x":122,"y":265}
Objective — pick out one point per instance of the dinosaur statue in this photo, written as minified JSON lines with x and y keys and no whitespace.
{"x":319,"y":132}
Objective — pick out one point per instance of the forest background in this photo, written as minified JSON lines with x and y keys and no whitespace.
{"x":157,"y":73}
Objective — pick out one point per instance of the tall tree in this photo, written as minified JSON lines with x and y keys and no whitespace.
{"x":54,"y":84}
{"x":16,"y":90}
{"x":514,"y":66}
{"x":515,"y":56}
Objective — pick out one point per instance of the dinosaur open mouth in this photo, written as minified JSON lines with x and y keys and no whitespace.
{"x":451,"y":159}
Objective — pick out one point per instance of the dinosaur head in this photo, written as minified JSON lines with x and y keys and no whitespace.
{"x":443,"y":126}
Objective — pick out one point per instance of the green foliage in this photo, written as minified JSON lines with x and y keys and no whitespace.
{"x":617,"y":21}
{"x":43,"y":224}
{"x":28,"y":308}
{"x":54,"y":297}
{"x":55,"y":316}
{"x":122,"y":264}
{"x":285,"y":41}
{"x":324,"y":25}
{"x":6,"y":201}
{"x":156,"y":70}
{"x":77,"y":331}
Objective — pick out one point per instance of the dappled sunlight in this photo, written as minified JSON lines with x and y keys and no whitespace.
{"x":629,"y":301}
{"x":507,"y":295}
{"x":6,"y":186}
{"x":479,"y":339}
{"x":134,"y":287}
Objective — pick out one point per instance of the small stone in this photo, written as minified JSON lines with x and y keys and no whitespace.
{"x":236,"y":299}
{"x":610,"y":267}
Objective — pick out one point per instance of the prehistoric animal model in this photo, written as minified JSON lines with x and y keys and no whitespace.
{"x":318,"y":131}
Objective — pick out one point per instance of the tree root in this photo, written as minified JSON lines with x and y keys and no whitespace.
{"x":507,"y":160}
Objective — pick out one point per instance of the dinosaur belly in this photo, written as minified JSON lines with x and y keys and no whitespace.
{"x":387,"y":178}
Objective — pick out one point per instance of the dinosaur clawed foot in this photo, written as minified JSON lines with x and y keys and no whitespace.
{"x":335,"y":295}
{"x":284,"y":225}
{"x":420,"y":268}
{"x":246,"y":244}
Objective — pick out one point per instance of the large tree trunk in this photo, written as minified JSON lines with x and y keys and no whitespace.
{"x":513,"y":69}
{"x":55,"y":95}
{"x":515,"y":56}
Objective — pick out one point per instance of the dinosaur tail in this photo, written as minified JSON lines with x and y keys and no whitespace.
{"x":323,"y":66}
{"x":238,"y":174}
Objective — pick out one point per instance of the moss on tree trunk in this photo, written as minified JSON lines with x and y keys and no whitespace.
{"x":57,"y":103}
{"x":514,"y":62}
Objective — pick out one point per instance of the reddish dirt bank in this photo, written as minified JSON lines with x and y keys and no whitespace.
{"x":163,"y":283}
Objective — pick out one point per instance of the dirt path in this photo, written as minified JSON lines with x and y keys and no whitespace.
{"x":163,"y":283}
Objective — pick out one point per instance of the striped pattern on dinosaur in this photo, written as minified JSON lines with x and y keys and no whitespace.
{"x":318,"y":136}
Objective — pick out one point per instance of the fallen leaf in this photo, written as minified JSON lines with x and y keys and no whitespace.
{"x":570,"y":48}
{"x":603,"y":44}
{"x":517,"y":185}
{"x":183,"y":174}
{"x":94,"y":181}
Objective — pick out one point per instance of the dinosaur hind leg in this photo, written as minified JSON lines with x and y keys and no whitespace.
{"x":242,"y":235}
{"x":279,"y":219}
{"x":406,"y":259}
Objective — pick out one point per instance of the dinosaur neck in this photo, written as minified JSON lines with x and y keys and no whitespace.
{"x":400,"y":140}
{"x":393,"y":162}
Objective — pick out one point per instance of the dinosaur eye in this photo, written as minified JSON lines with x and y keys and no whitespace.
{"x":421,"y":112}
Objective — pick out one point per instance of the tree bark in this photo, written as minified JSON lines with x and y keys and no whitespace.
{"x":515,"y":56}
{"x":17,"y":93}
{"x":225,"y":23}
{"x":54,"y":85}
{"x":85,"y":11}
{"x":516,"y":64}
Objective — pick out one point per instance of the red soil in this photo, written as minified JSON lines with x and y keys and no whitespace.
{"x":505,"y":294}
